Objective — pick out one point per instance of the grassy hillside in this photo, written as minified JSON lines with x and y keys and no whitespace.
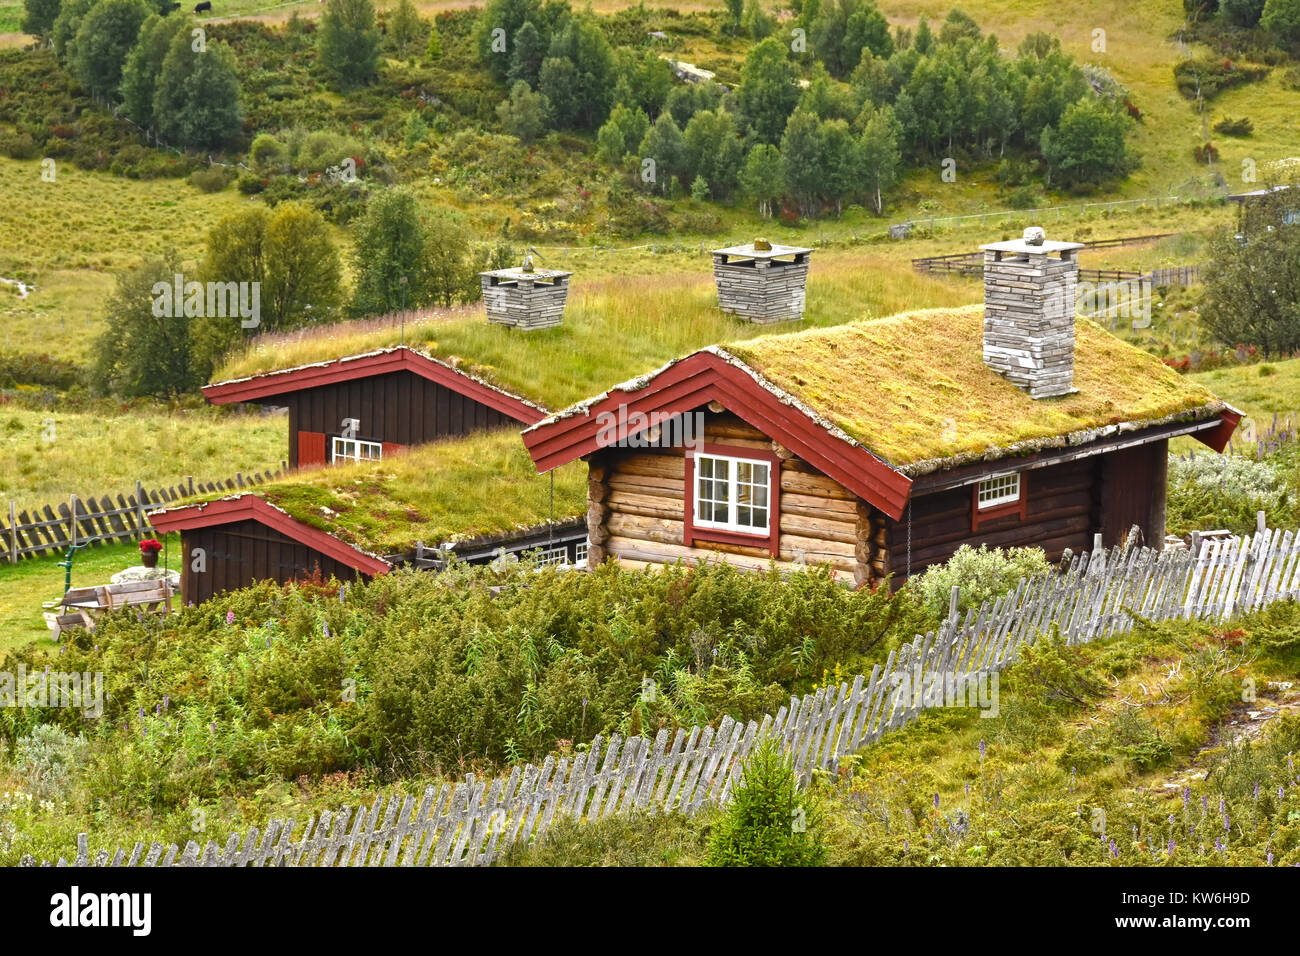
{"x":1136,"y":752}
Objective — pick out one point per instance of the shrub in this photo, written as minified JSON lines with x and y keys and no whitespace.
{"x":213,"y":179}
{"x":1234,"y":127}
{"x":1226,"y":491}
{"x":981,"y":574}
{"x":18,"y":146}
{"x":267,"y":153}
{"x":46,"y":757}
{"x":637,"y":839}
{"x":768,"y":823}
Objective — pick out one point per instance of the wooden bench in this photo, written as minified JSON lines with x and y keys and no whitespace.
{"x":80,"y":606}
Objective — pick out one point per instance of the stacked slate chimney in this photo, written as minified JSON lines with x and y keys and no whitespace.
{"x":1029,"y":312}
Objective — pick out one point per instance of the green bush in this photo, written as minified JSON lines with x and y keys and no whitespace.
{"x":47,"y":757}
{"x":982,"y":574}
{"x":1234,"y":127}
{"x":1226,"y":491}
{"x":213,"y":179}
{"x":768,"y":822}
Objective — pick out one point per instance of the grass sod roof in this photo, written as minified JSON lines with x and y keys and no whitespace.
{"x":914,"y":390}
{"x":484,"y":485}
{"x":614,"y":328}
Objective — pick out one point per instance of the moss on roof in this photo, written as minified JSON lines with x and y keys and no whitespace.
{"x":614,"y":328}
{"x":913,"y":388}
{"x":483,"y":485}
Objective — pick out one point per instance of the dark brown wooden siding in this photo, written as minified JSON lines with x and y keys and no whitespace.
{"x":1133,"y":488}
{"x":246,"y":551}
{"x":400,"y":408}
{"x":1063,"y":512}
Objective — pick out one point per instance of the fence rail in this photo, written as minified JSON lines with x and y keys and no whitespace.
{"x":903,"y":230}
{"x":1097,"y":595}
{"x":100,"y":519}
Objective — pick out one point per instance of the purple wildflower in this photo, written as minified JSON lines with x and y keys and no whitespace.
{"x":1280,"y":793}
{"x":1172,"y":844}
{"x":1204,"y":802}
{"x":981,"y":750}
{"x":1222,"y":805}
{"x":968,"y":789}
{"x":230,"y":617}
{"x":167,"y":700}
{"x":1270,"y":858}
{"x":157,"y":709}
{"x":1218,"y":844}
{"x":1256,"y":789}
{"x":325,"y":626}
{"x":936,"y":801}
{"x":906,"y":845}
{"x":214,"y":726}
{"x":1187,"y":795}
{"x":1114,"y":850}
{"x":1226,"y":822}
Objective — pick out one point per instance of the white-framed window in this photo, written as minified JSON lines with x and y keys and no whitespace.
{"x":580,"y":551}
{"x":732,"y":494}
{"x":1003,"y":490}
{"x":557,"y":555}
{"x":353,"y":449}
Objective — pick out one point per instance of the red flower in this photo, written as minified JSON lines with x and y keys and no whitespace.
{"x":150,"y":546}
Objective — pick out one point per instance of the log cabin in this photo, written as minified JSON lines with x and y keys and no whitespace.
{"x":370,"y":406}
{"x":880,"y":447}
{"x":476,"y":498}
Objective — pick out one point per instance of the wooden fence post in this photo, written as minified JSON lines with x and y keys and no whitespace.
{"x":140,"y":509}
{"x":1261,"y":524}
{"x":72,"y":512}
{"x":13,"y":535}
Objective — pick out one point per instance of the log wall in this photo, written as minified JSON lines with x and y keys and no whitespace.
{"x":637,"y":505}
{"x":1063,"y":512}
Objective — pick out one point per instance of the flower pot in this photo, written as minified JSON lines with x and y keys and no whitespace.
{"x":149,"y":559}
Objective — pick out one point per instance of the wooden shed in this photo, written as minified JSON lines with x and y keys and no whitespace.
{"x":761,"y":281}
{"x":478,"y":498}
{"x":525,"y":298}
{"x":877,"y":447}
{"x":374,"y":405}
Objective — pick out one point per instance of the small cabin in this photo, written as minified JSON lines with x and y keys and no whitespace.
{"x":375,"y":405}
{"x":478,"y":499}
{"x":880,"y":447}
{"x":762,"y":282}
{"x":525,"y":298}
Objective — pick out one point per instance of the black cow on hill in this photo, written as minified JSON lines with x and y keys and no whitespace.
{"x":205,"y":6}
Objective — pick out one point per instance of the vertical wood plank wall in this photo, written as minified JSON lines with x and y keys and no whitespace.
{"x":400,"y":408}
{"x":246,"y":551}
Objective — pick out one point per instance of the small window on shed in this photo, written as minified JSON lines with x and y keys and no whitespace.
{"x":994,"y":492}
{"x":351,"y":449}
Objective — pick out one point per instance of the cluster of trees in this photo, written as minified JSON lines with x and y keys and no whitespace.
{"x":873,"y":102}
{"x":1280,"y":19}
{"x":1252,"y":284}
{"x":157,"y":64}
{"x":400,"y":258}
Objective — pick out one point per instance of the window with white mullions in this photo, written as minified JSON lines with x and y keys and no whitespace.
{"x":732,"y":494}
{"x":1003,"y":490}
{"x":352,"y":449}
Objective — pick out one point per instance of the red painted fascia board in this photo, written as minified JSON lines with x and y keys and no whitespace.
{"x":250,"y":507}
{"x":344,"y":370}
{"x":702,"y":377}
{"x":1217,"y":437}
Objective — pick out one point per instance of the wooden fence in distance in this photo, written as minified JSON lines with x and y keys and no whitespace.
{"x":100,"y":519}
{"x":472,"y":822}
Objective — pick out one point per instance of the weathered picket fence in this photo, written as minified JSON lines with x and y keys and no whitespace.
{"x":1096,"y":595}
{"x":99,"y":519}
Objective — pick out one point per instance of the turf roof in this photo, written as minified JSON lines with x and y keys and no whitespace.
{"x":913,"y":388}
{"x":484,"y":485}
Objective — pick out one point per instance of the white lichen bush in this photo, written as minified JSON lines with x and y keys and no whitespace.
{"x":981,"y":573}
{"x":1208,"y":492}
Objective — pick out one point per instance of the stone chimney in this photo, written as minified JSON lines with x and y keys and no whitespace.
{"x":1029,"y":312}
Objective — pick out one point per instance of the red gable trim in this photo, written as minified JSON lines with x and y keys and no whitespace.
{"x":399,"y":359}
{"x":1217,"y":437}
{"x":705,"y":377}
{"x":251,"y":507}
